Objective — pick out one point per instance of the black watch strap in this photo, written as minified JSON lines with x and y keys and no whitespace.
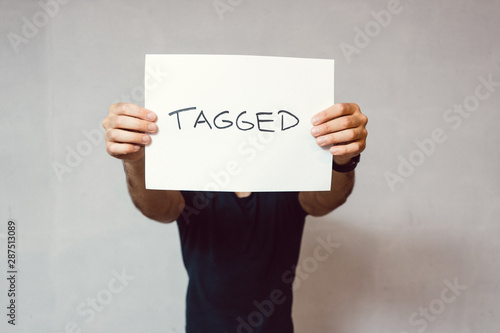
{"x":346,"y":167}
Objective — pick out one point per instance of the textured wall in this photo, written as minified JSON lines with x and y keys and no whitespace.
{"x":416,"y":247}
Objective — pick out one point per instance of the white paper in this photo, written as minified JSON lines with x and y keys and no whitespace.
{"x":186,"y":154}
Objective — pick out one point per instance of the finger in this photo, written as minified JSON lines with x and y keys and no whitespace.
{"x":334,"y":111}
{"x":122,"y":136}
{"x":335,"y":125}
{"x":133,"y":124}
{"x":342,"y":137}
{"x":132,"y":110}
{"x":348,"y":150}
{"x":118,"y":149}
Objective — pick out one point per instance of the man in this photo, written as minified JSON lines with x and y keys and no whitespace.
{"x":240,"y":249}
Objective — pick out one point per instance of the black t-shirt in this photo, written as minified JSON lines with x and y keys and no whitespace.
{"x":240,"y":255}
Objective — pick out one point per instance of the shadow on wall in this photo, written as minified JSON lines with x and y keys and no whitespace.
{"x":375,"y":280}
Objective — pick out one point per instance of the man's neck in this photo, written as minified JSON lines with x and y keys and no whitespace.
{"x":243,"y":194}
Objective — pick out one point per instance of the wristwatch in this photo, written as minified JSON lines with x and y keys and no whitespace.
{"x":346,"y":167}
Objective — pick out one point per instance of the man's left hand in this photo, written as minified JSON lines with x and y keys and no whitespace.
{"x":344,"y":127}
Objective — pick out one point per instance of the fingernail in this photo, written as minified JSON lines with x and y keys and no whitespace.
{"x":136,"y":147}
{"x":315,"y":130}
{"x":334,"y":151}
{"x":151,"y":127}
{"x":145,"y":138}
{"x":315,"y":120}
{"x":151,"y":116}
{"x":320,"y":141}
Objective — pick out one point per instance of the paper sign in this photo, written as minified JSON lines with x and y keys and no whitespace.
{"x":237,"y":123}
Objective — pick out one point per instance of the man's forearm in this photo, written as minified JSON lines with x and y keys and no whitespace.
{"x":161,"y":206}
{"x":320,"y":203}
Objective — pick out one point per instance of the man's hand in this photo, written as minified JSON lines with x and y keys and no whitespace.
{"x":344,"y":127}
{"x":126,"y":127}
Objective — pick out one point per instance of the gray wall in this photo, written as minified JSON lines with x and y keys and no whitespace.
{"x":423,"y":217}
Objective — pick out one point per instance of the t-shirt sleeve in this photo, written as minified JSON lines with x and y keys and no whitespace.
{"x":195,"y":205}
{"x":294,"y":203}
{"x":189,"y":212}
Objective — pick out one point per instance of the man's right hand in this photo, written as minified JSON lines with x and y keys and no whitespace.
{"x":127,"y":132}
{"x":127,"y":127}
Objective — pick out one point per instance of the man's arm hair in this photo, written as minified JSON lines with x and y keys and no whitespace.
{"x":158,"y":205}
